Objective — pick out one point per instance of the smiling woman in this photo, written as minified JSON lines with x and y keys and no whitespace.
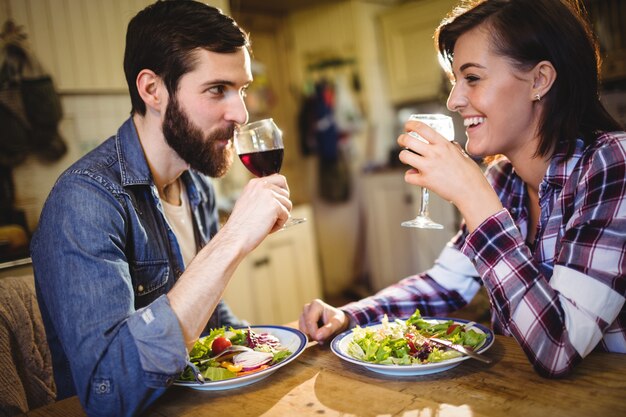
{"x":542,"y":225}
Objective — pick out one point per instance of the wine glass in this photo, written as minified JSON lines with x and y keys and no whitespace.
{"x":260,"y":148}
{"x":444,"y":126}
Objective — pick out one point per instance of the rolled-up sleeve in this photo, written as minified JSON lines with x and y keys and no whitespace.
{"x":160,"y":345}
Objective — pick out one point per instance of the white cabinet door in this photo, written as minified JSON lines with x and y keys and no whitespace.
{"x":412,"y":66}
{"x":395,"y":252}
{"x":273,"y":283}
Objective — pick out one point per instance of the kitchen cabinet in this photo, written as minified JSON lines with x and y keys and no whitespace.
{"x":273,"y":282}
{"x":413,"y":70}
{"x":394,"y":251}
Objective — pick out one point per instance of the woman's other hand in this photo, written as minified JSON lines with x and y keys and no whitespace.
{"x":321,"y":321}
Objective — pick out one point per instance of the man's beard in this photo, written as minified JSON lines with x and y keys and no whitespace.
{"x":207,"y":154}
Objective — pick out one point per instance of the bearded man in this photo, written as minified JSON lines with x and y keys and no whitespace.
{"x":129,"y":264}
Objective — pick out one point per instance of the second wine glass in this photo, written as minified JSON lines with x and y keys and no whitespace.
{"x":444,"y":126}
{"x":260,"y":148}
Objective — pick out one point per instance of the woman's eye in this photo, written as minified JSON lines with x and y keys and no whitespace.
{"x":471,"y":78}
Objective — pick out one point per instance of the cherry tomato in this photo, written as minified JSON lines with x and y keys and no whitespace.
{"x":219,"y":345}
{"x":452,"y":327}
{"x":411,"y":343}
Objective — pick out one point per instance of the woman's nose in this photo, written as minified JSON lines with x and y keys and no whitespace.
{"x":456,"y":100}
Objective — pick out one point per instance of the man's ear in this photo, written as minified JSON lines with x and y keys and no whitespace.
{"x":544,"y":76}
{"x":150,"y":88}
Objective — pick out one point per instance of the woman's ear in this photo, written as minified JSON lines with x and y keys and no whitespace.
{"x":150,"y":89}
{"x":544,"y":76}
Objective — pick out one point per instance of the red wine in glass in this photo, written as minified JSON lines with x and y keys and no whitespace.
{"x":263,"y":163}
{"x":260,"y":147}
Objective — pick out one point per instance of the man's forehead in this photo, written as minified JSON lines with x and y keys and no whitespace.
{"x":230,"y":65}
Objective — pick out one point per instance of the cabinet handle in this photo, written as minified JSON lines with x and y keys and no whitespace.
{"x":261,"y":262}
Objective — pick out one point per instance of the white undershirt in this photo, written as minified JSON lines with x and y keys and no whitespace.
{"x":179,"y":219}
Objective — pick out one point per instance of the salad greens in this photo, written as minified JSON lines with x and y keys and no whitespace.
{"x":407,"y":342}
{"x":226,"y":366}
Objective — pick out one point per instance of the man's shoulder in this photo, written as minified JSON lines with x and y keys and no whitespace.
{"x":109,"y":157}
{"x":101,"y":164}
{"x":99,"y":158}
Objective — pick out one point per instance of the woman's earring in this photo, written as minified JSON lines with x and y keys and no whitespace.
{"x":537,"y":97}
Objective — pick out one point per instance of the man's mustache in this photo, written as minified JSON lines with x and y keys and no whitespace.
{"x":224,"y":133}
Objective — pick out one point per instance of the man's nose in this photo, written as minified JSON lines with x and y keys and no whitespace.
{"x":237,"y":111}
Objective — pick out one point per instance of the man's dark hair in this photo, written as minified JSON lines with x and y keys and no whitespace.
{"x":163,"y":36}
{"x":528,"y":32}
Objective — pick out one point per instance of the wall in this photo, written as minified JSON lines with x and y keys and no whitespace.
{"x":87,"y":121}
{"x":81,"y":44}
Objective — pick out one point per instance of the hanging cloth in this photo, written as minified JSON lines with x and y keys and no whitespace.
{"x":348,"y":114}
{"x":30,"y":109}
{"x":307,"y":125}
{"x":326,"y":131}
{"x":334,"y":169}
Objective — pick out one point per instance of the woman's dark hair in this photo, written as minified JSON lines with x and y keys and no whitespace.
{"x":163,"y":36}
{"x":530,"y":31}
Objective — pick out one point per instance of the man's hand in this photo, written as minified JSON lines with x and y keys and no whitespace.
{"x":262,"y":208}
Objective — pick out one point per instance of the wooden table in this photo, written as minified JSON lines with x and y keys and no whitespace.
{"x":320,"y":384}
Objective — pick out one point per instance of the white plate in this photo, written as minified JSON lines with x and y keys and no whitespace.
{"x":294,"y":340}
{"x":340,"y":343}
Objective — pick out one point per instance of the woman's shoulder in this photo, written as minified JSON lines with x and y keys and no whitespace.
{"x":612,"y":137}
{"x":608,"y":148}
{"x":603,"y":159}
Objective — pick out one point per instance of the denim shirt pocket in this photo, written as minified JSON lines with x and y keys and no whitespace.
{"x":149,"y":280}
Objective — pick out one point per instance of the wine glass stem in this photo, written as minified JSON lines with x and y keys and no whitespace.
{"x":424,"y":203}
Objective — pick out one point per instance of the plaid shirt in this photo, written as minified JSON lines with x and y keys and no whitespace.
{"x":560,"y":299}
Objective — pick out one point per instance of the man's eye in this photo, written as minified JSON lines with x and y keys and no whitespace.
{"x":217,"y":89}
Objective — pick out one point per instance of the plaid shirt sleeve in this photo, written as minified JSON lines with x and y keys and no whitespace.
{"x":561,"y":309}
{"x":449,"y":285}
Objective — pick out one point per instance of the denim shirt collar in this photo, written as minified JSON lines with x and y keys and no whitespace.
{"x":134,"y":168}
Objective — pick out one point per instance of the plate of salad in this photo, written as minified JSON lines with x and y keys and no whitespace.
{"x":404,"y":348}
{"x":234,"y":357}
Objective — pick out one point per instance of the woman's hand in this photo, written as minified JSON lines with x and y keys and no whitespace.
{"x":322,"y":321}
{"x":444,"y":168}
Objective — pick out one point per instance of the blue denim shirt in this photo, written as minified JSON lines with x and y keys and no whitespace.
{"x":104,"y":257}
